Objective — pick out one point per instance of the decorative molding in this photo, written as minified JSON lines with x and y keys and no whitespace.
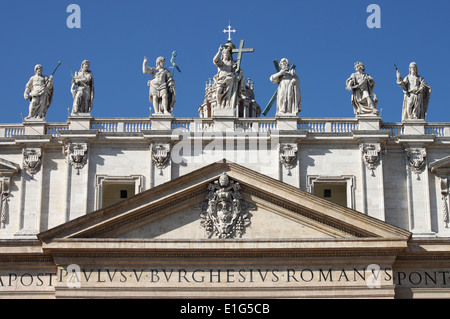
{"x":161,"y":156}
{"x":417,"y":159}
{"x":288,"y":156}
{"x":225,"y":214}
{"x":208,"y":255}
{"x":32,"y":160}
{"x":371,"y":155}
{"x":76,"y":155}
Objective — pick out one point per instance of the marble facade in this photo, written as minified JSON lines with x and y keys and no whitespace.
{"x":390,"y":240}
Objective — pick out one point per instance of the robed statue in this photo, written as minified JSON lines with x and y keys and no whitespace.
{"x":417,"y":94}
{"x":364,"y":101}
{"x":83,"y":89}
{"x":39,"y":90}
{"x":289,"y":100}
{"x":162,"y":87}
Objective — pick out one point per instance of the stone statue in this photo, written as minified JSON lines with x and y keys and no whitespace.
{"x":225,"y":77}
{"x":83,"y":89}
{"x":417,"y":94}
{"x":39,"y":90}
{"x":364,"y":101}
{"x":162,"y":87}
{"x":289,"y":100}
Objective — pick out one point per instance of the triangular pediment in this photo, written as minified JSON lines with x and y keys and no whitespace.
{"x":175,"y":211}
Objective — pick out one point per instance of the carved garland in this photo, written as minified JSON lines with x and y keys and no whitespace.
{"x":5,"y":192}
{"x":444,"y":193}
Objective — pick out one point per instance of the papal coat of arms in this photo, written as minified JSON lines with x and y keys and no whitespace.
{"x":225,"y":214}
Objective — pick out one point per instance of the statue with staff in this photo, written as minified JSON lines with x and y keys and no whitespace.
{"x":162,"y":86}
{"x":417,"y":94}
{"x":39,"y":90}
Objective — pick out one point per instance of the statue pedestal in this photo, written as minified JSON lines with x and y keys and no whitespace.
{"x":218,"y":112}
{"x":414,"y":127}
{"x":224,"y":119}
{"x":35,"y":126}
{"x":368,"y":122}
{"x":161,"y":122}
{"x":287,"y":122}
{"x":80,"y":121}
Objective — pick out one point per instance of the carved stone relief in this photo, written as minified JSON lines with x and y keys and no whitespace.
{"x":416,"y":159}
{"x":225,"y":214}
{"x":288,"y":156}
{"x":77,"y":155}
{"x":161,"y":156}
{"x":371,"y":156}
{"x":32,"y":160}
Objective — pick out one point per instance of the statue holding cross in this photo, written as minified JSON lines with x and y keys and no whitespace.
{"x":229,"y":80}
{"x":289,"y":100}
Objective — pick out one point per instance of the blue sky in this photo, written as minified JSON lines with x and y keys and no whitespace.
{"x":324,"y":38}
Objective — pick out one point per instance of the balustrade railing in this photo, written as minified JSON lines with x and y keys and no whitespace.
{"x":394,"y":128}
{"x":10,"y":130}
{"x":438,"y":129}
{"x":262,"y":125}
{"x":53,"y":129}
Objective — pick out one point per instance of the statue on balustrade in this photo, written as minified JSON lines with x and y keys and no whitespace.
{"x":226,"y":75}
{"x":39,"y":90}
{"x":417,"y":94}
{"x":364,"y":101}
{"x":289,"y":100}
{"x":162,"y":87}
{"x":83,"y":89}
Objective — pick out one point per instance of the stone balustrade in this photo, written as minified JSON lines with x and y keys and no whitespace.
{"x":262,"y":125}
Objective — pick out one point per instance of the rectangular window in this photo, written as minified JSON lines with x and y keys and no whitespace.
{"x":114,"y":189}
{"x":337,"y":189}
{"x":336,"y":192}
{"x":114,"y":193}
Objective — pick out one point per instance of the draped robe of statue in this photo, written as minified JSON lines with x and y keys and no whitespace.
{"x":83,"y":91}
{"x":288,"y":94}
{"x":364,"y":101}
{"x":417,"y":96}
